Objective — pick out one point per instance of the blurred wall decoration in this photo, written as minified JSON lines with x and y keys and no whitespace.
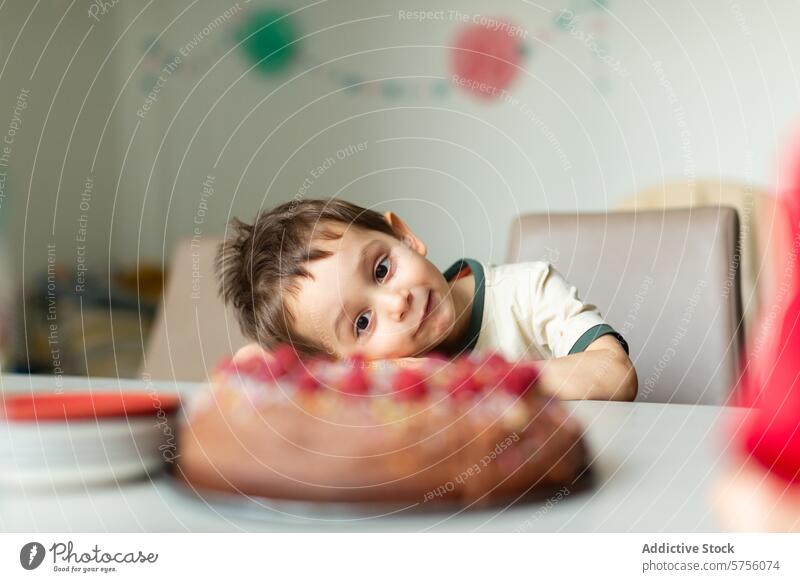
{"x":487,"y":50}
{"x":269,"y":40}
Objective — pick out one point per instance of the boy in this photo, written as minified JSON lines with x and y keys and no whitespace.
{"x":331,"y":277}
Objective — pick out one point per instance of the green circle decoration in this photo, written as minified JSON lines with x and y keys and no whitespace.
{"x":268,"y":40}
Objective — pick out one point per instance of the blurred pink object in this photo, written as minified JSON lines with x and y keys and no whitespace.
{"x":762,"y":493}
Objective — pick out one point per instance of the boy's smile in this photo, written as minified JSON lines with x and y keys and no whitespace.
{"x":378,"y":295}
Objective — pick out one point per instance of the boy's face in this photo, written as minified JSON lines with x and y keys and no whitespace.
{"x":371,"y":295}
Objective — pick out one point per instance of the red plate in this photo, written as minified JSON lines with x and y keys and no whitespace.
{"x":85,"y":405}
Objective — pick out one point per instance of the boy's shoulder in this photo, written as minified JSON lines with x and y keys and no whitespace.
{"x":525,"y":271}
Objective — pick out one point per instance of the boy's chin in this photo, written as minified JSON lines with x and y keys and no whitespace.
{"x":428,"y":347}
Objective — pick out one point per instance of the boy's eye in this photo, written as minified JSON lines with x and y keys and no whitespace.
{"x":381,"y":272}
{"x":362,"y":322}
{"x":381,"y":269}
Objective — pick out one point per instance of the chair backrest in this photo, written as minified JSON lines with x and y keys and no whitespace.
{"x":667,"y":280}
{"x":763,"y":225}
{"x":193,"y":328}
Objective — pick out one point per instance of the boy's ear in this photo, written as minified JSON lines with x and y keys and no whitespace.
{"x":404,"y":233}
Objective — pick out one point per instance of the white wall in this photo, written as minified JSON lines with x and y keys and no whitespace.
{"x":457,"y":168}
{"x":57,"y":56}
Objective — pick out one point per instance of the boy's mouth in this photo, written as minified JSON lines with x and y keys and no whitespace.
{"x":425,"y":312}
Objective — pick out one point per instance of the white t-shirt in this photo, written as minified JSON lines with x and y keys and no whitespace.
{"x":528,"y":310}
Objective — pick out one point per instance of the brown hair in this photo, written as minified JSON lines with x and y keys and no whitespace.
{"x":257,"y":264}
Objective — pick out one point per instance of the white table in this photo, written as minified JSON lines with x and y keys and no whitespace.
{"x":653,"y":468}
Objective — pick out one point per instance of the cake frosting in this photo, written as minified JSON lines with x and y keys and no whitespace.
{"x":469,"y":430}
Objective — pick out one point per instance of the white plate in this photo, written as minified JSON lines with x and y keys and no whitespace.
{"x":90,"y":474}
{"x":83,"y":428}
{"x":18,"y":445}
{"x":55,"y":454}
{"x":41,"y":457}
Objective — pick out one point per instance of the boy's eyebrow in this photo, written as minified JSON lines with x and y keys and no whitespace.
{"x":362,"y":258}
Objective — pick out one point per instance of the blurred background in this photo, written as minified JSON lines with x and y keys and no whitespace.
{"x":127,"y":127}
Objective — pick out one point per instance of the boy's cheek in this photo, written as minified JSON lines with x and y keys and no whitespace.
{"x":391,"y":347}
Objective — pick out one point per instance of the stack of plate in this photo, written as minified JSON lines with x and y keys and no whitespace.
{"x":85,"y":438}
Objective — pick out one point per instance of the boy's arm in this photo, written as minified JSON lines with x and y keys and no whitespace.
{"x":602,"y":371}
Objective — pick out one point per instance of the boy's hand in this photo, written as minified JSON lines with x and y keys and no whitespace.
{"x":394,"y":363}
{"x":249,"y":351}
{"x":408,"y":362}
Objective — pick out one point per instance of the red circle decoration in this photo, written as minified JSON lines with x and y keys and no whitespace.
{"x":485,"y":57}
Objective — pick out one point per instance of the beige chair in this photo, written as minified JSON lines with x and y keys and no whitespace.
{"x":762,"y":226}
{"x":193,"y":329}
{"x":667,"y":280}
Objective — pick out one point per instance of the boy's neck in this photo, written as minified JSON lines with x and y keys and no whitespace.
{"x":463,"y":292}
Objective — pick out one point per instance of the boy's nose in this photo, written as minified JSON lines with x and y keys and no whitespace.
{"x":397,"y":303}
